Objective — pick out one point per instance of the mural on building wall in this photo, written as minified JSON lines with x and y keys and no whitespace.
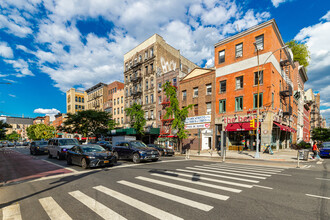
{"x":167,"y":65}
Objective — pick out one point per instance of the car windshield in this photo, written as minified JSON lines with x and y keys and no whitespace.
{"x":103,"y":142}
{"x":326,"y":144}
{"x":42,"y":143}
{"x":92,"y":148}
{"x":138,"y":144}
{"x":157,"y":145}
{"x":68,"y":142}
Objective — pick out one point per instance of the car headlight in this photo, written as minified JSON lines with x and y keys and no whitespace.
{"x":91,"y":157}
{"x":142,"y":152}
{"x":165,"y":150}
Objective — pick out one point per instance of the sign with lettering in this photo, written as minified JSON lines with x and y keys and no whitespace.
{"x":198,"y":119}
{"x":197,"y":126}
{"x":236,"y":119}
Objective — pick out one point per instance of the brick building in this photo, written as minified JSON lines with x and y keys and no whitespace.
{"x":118,"y":107}
{"x":75,"y":100}
{"x":18,"y":125}
{"x":150,"y":59}
{"x":112,"y":89}
{"x":198,"y":89}
{"x":42,"y":120}
{"x":96,"y":96}
{"x":237,"y":61}
{"x":307,"y":125}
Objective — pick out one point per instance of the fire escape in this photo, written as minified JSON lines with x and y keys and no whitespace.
{"x":165,"y":129}
{"x":286,"y":90}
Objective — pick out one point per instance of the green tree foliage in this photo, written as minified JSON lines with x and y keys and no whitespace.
{"x":321,"y":134}
{"x":89,"y":123}
{"x":14,"y":136}
{"x":136,"y":114}
{"x":300,"y":52}
{"x":3,"y":129}
{"x":174,"y":111}
{"x":40,"y":131}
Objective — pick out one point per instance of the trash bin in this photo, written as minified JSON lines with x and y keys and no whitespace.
{"x":301,"y":154}
{"x":306,"y":154}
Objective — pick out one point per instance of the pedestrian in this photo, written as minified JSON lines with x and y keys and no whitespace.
{"x":315,"y":150}
{"x":187,"y":152}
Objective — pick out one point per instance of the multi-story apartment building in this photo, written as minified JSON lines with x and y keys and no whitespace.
{"x":142,"y":65}
{"x":315,"y":114}
{"x":112,"y":89}
{"x":96,"y":96}
{"x":238,"y":60}
{"x":307,"y":125}
{"x":75,"y":100}
{"x":118,"y":112}
{"x":198,"y":89}
{"x":42,"y":120}
{"x":18,"y":124}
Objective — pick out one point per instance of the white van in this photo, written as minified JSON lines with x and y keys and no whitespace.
{"x":57,"y":147}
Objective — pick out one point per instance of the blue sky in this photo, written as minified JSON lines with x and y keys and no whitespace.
{"x":48,"y":46}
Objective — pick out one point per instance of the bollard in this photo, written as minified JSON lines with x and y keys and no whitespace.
{"x":298,"y":159}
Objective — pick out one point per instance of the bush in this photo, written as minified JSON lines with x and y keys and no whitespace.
{"x":304,"y":145}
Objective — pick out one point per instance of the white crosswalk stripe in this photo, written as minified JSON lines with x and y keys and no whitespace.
{"x":11,"y":212}
{"x":224,"y":172}
{"x":169,"y":196}
{"x":158,"y":213}
{"x":97,"y":207}
{"x":257,"y":166}
{"x":217,"y":175}
{"x":246,"y":168}
{"x":54,"y":211}
{"x":198,"y":183}
{"x":237,"y":171}
{"x":184,"y":188}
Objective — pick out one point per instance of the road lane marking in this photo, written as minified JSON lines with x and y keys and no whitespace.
{"x":184,"y":188}
{"x":245,"y":168}
{"x":248,"y":170}
{"x":198,"y":183}
{"x":257,"y":166}
{"x":235,"y":170}
{"x":53,"y":210}
{"x":155,"y":212}
{"x":209,"y":179}
{"x":223,"y":172}
{"x":95,"y":206}
{"x":322,"y":179}
{"x":264,"y":187}
{"x":11,"y":212}
{"x":68,"y":168}
{"x":321,"y":197}
{"x":169,"y":196}
{"x":217,"y":175}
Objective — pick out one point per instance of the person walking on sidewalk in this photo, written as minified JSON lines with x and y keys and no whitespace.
{"x":315,"y":150}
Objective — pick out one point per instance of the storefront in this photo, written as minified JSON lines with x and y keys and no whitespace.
{"x":240,"y":136}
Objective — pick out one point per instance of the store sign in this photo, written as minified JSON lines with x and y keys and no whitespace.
{"x":198,"y":119}
{"x":197,"y":126}
{"x":228,"y":120}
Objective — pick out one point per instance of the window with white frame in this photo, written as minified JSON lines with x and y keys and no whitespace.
{"x":152,"y":98}
{"x":146,"y":114}
{"x":260,"y":42}
{"x":239,"y":50}
{"x":209,"y":89}
{"x":239,"y":82}
{"x":261,"y":76}
{"x":195,"y":92}
{"x":184,"y":95}
{"x":152,"y":114}
{"x":221,"y":56}
{"x":208,"y":108}
{"x":147,"y":100}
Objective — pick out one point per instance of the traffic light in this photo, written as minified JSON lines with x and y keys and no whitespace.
{"x":252,"y":123}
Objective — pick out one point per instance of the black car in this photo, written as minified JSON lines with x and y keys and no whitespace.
{"x":90,"y":156}
{"x":39,"y":147}
{"x":164,"y":151}
{"x":105,"y":144}
{"x":136,"y":151}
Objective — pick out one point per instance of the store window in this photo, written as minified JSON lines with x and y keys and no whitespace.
{"x":239,"y":103}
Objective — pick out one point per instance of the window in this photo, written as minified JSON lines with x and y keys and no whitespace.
{"x":174,"y":82}
{"x":222,"y":106}
{"x":261,"y":77}
{"x":118,"y":112}
{"x":209,"y":89}
{"x":122,"y":120}
{"x":130,"y":91}
{"x":159,"y":115}
{"x":140,"y":58}
{"x":260,"y":42}
{"x":146,"y":99}
{"x":122,"y":100}
{"x":114,"y":102}
{"x":223,"y":86}
{"x":147,"y":86}
{"x":159,"y":99}
{"x":152,"y":98}
{"x":82,"y":100}
{"x":222,"y":56}
{"x":239,"y":82}
{"x":118,"y":101}
{"x":79,"y":99}
{"x":146,"y":115}
{"x":208,"y":108}
{"x":151,"y":52}
{"x":196,"y":109}
{"x":239,"y":50}
{"x":272,"y":100}
{"x":115,"y":89}
{"x":83,"y":107}
{"x":122,"y":110}
{"x":152,"y":83}
{"x":239,"y":103}
{"x":152,"y":114}
{"x":114,"y":111}
{"x":195,"y":92}
{"x":159,"y":86}
{"x":152,"y":67}
{"x":76,"y":99}
{"x":255,"y":100}
{"x":184,"y":95}
{"x":146,"y":69}
{"x":146,"y":55}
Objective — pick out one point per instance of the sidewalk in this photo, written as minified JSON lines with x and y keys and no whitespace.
{"x":285,"y":155}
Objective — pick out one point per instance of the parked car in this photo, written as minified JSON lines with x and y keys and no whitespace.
{"x":90,"y":155}
{"x":105,"y":144}
{"x":325,"y":149}
{"x":57,"y":147}
{"x":10,"y":144}
{"x":163,"y":151}
{"x":136,"y":151}
{"x":38,"y":147}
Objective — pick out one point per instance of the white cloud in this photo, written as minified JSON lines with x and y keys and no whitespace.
{"x":327,"y":16}
{"x":21,"y":67}
{"x":276,"y":3}
{"x":11,"y":95}
{"x":50,"y":112}
{"x":5,"y":50}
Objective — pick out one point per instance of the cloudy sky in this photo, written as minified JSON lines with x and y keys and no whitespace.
{"x":49,"y":46}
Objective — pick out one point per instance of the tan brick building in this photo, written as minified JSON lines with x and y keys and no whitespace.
{"x":42,"y":120}
{"x":198,"y":89}
{"x":75,"y":100}
{"x":118,"y":112}
{"x":112,"y":89}
{"x":96,"y":96}
{"x":142,"y":65}
{"x":18,"y":125}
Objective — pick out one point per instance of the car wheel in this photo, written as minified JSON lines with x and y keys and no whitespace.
{"x":31,"y":152}
{"x":136,"y":158}
{"x":116,"y":155}
{"x":154,"y":160}
{"x":84,"y":164}
{"x":69,"y":160}
{"x":49,"y":155}
{"x":58,"y":156}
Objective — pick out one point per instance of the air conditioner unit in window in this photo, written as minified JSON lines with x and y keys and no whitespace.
{"x":159,"y":89}
{"x":208,"y":113}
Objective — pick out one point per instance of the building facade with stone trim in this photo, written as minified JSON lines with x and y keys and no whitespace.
{"x":75,"y":100}
{"x":96,"y":96}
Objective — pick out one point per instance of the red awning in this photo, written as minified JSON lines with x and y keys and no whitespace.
{"x":285,"y":128}
{"x":245,"y":126}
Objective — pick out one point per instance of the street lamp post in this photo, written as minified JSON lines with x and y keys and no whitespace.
{"x":257,"y":155}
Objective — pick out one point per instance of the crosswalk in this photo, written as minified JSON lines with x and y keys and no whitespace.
{"x":195,"y":187}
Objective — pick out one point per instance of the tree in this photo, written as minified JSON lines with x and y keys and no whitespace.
{"x":89,"y":123}
{"x":40,"y":131}
{"x":300,"y":52}
{"x":14,"y":136}
{"x":178,"y":114}
{"x":136,"y":113}
{"x":321,"y":134}
{"x":3,"y":129}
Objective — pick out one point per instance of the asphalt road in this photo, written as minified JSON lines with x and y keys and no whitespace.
{"x":172,"y":188}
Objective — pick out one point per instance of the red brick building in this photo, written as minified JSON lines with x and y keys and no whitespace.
{"x":307,"y":125}
{"x":237,"y":61}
